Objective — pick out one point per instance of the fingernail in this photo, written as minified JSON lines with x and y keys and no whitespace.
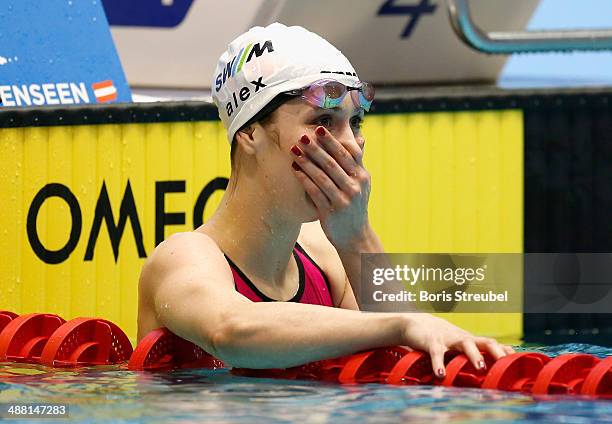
{"x":296,"y":150}
{"x":440,"y":372}
{"x":304,"y":139}
{"x":320,"y":131}
{"x":296,"y":166}
{"x":482,"y":365}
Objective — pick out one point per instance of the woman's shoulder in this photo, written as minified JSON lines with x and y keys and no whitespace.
{"x":186,"y":245}
{"x":181,"y":251}
{"x":180,"y":266}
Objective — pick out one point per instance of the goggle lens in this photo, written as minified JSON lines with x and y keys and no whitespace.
{"x":329,"y":93}
{"x":363,"y":96}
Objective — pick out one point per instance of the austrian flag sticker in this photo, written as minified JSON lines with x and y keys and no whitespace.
{"x":104,"y":91}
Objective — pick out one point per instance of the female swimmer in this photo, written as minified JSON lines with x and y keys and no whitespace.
{"x":269,"y":281}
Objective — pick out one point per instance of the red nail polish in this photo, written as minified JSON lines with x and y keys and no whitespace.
{"x":296,"y":150}
{"x":304,"y":139}
{"x":296,"y":166}
{"x":440,"y":372}
{"x":320,"y":131}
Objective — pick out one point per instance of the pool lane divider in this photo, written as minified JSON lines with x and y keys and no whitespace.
{"x":5,"y":318}
{"x":50,"y":340}
{"x":91,"y":341}
{"x":24,"y":337}
{"x":162,"y":350}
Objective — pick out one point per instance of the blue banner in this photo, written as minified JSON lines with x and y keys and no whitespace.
{"x":147,"y":13}
{"x":58,"y":52}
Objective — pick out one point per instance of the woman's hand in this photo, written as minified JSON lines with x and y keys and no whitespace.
{"x":436,"y":336}
{"x":333,"y":175}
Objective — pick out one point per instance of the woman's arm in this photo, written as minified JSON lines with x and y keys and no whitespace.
{"x":194,"y":297}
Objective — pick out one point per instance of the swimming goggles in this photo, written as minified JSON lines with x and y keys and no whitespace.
{"x":329,"y":93}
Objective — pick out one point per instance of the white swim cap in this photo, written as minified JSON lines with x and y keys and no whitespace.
{"x":267,"y":61}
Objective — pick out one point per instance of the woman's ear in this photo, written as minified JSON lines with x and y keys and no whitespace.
{"x":246,"y":139}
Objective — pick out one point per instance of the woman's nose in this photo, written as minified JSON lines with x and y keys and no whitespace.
{"x":345,"y":135}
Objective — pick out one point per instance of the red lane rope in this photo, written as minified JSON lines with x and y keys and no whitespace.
{"x":48,"y":339}
{"x":515,"y":373}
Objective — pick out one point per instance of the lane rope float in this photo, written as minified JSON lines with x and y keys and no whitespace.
{"x":48,"y":339}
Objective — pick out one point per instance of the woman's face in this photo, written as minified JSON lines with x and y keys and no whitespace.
{"x":289,"y":123}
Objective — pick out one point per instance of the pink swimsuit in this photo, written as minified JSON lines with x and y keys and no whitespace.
{"x":313,"y":287}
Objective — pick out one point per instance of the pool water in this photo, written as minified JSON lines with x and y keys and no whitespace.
{"x":109,"y":394}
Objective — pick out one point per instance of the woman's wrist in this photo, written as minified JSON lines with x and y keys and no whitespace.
{"x":398,"y":325}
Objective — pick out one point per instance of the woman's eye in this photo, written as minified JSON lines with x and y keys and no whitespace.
{"x":325,"y":121}
{"x":356,"y":122}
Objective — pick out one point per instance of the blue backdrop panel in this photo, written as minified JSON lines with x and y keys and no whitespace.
{"x":147,"y":13}
{"x":58,"y":52}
